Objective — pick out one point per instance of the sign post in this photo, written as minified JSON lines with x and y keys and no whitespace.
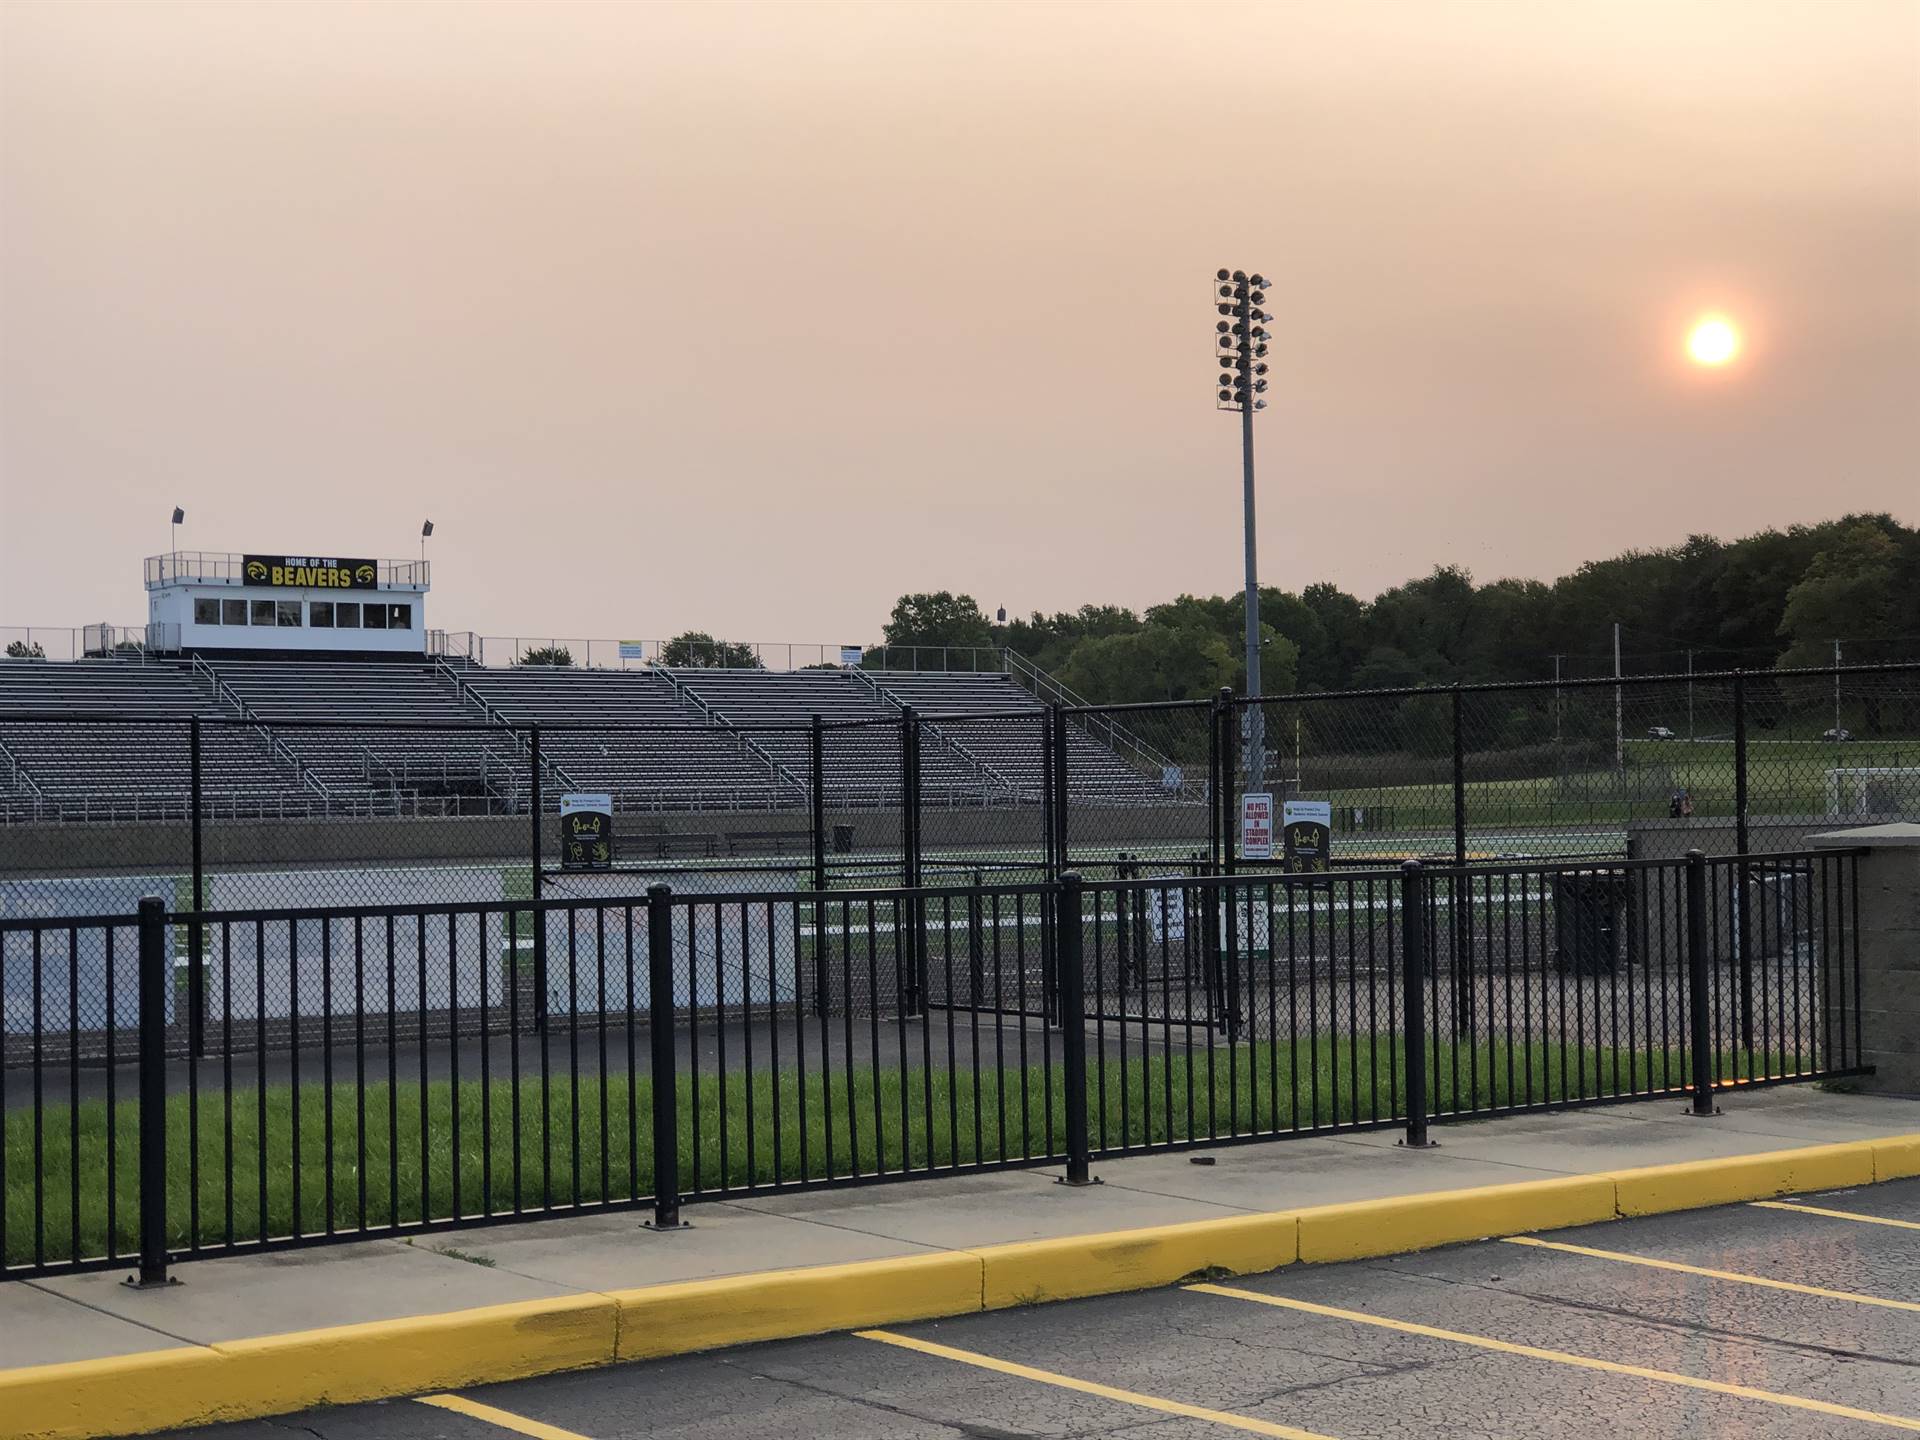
{"x":586,"y":832}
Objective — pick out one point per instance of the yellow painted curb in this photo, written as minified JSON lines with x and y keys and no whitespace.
{"x":274,"y":1374}
{"x":238,"y":1379}
{"x":776,"y":1305}
{"x":1076,"y":1265}
{"x":1897,"y":1158}
{"x":1696,"y":1184}
{"x":1404,"y":1223}
{"x":400,"y":1357}
{"x":117,"y":1395}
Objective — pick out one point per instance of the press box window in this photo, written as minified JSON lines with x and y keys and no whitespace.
{"x":346,"y":615}
{"x":374,"y":617}
{"x":289,"y":611}
{"x":400,"y":617}
{"x":233,"y":612}
{"x":320,"y":614}
{"x":263,"y":612}
{"x":206,"y":612}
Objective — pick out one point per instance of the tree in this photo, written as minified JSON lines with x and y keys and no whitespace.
{"x":22,"y":650}
{"x":1159,"y":662}
{"x":1847,"y":592}
{"x":697,"y":650}
{"x":555,"y":655}
{"x":937,"y":618}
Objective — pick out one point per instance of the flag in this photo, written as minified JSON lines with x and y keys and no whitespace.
{"x":179,"y":516}
{"x":426,"y":530}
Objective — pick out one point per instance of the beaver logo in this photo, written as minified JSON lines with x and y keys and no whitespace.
{"x":364,"y":574}
{"x":256,"y":570}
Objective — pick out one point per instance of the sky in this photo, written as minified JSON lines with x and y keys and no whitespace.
{"x":748,"y":318}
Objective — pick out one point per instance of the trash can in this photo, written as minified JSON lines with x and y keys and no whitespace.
{"x":1587,"y":910}
{"x":843,"y":839}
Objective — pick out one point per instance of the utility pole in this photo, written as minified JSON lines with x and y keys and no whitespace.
{"x":1689,"y":695}
{"x":1836,"y":686}
{"x":1619,"y":728}
{"x":1240,"y":350}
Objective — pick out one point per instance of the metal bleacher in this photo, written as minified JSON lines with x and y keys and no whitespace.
{"x":996,"y":719}
{"x":392,"y":767}
{"x":300,"y":735}
{"x":664,"y":754}
{"x":135,"y":767}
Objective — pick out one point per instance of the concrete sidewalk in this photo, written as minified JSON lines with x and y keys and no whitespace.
{"x":87,"y":1317}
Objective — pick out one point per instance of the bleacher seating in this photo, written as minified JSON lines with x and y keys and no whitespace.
{"x":137,"y":768}
{"x":675,"y":759}
{"x":862,"y":762}
{"x":459,"y":768}
{"x":972,"y":704}
{"x":296,"y":735}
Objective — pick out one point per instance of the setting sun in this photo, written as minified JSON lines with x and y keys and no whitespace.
{"x":1713,"y":341}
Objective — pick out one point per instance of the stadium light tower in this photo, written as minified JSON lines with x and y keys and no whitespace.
{"x":1240,"y":346}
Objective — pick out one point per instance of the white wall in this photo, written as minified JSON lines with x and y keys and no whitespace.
{"x":174,"y":605}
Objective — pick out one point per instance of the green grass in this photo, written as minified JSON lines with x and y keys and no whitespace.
{"x":1247,"y":1088}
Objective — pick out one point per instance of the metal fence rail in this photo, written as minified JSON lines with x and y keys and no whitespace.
{"x":334,"y":1072}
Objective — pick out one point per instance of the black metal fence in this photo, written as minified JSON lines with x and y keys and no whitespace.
{"x":344,"y":1071}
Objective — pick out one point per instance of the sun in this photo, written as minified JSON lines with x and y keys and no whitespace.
{"x":1713,"y":341}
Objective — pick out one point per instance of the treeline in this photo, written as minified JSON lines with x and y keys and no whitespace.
{"x":1776,"y":599}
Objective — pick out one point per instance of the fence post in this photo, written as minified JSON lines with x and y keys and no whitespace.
{"x":1459,"y":783}
{"x":1223,"y":746}
{"x":1700,"y":1030}
{"x":666,"y":1098}
{"x":1215,"y":785}
{"x":1073,"y":1025}
{"x":1046,"y":791}
{"x":539,"y":919}
{"x":817,"y":775}
{"x":155,"y":978}
{"x":910,"y":846}
{"x":1413,"y":998}
{"x":1743,"y":877}
{"x":1460,"y":916}
{"x":1049,"y":951}
{"x":196,"y":963}
{"x":1061,"y":837}
{"x":1740,"y":837}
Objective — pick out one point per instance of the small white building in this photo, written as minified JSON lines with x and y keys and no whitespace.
{"x":204,"y":600}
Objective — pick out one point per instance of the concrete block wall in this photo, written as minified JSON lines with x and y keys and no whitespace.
{"x":1886,"y":1009}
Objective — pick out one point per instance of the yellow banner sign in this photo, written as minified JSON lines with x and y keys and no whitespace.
{"x":309,"y":572}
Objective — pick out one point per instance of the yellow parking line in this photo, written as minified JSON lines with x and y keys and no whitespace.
{"x":505,"y":1419}
{"x":1561,"y":1357}
{"x":1735,"y":1276}
{"x":1090,"y":1387}
{"x":1835,"y":1214}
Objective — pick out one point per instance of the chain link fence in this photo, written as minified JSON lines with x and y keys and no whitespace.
{"x":907,"y":785}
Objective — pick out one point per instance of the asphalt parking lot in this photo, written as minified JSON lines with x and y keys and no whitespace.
{"x":1786,"y":1318}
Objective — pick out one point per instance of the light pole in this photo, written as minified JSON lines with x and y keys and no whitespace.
{"x":1240,"y":346}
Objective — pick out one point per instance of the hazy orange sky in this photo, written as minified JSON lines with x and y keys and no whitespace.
{"x":750,"y":317}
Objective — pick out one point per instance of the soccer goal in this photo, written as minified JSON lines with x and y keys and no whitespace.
{"x":1874,"y":790}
